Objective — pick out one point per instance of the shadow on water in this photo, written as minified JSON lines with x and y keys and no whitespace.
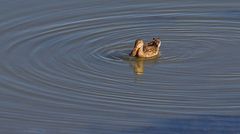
{"x":207,"y":124}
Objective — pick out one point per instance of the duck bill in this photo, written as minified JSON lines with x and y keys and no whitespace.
{"x":133,"y":52}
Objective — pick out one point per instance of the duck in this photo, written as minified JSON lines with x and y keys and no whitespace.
{"x":148,"y":50}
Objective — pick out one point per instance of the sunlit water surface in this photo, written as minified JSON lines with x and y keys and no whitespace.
{"x":65,"y":67}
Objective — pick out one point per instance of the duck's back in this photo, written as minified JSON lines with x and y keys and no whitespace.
{"x":150,"y":50}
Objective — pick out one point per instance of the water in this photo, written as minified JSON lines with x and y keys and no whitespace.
{"x":65,"y":67}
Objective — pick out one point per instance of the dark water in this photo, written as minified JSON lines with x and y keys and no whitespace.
{"x":65,"y":68}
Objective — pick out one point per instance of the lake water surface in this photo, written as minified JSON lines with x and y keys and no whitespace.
{"x":65,"y":69}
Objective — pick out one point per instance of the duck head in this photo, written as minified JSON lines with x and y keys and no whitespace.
{"x":138,"y":44}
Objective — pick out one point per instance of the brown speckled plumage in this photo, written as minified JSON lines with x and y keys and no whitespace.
{"x":148,"y":50}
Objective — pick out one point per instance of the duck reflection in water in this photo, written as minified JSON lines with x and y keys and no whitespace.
{"x":145,"y":54}
{"x":139,"y":63}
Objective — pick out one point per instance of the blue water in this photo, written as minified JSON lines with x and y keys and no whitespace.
{"x":64,"y":67}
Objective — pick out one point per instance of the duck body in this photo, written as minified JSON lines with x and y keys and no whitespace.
{"x":147,"y":50}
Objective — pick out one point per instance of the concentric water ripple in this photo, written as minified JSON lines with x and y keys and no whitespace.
{"x":66,"y":65}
